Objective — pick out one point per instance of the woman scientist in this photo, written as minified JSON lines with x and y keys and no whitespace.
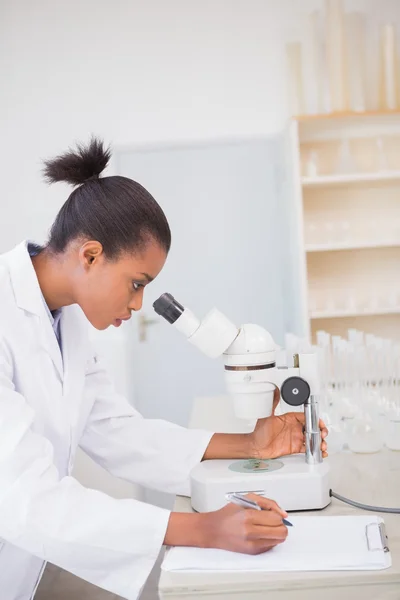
{"x":109,"y":240}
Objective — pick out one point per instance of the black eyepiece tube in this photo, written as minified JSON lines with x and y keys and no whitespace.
{"x":166,"y":306}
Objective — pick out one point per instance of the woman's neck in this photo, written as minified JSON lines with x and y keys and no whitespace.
{"x":52,"y":274}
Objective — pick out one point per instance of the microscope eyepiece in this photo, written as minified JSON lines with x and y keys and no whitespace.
{"x":166,"y":306}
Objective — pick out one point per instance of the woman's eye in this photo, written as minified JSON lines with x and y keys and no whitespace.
{"x":137,"y":286}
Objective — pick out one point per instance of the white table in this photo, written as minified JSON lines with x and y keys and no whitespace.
{"x":369,"y":478}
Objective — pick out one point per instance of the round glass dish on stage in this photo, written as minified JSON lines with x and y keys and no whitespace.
{"x":254,"y":465}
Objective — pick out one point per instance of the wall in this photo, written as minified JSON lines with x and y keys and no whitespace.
{"x":133,"y":71}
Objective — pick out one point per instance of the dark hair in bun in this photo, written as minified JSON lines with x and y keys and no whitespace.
{"x":76,"y":167}
{"x":115,"y":211}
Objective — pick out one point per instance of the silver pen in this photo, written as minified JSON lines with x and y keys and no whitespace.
{"x":240,"y":500}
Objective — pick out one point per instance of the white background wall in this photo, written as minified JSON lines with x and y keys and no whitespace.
{"x":135,"y":71}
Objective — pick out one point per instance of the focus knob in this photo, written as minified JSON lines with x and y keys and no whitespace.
{"x":295,"y":391}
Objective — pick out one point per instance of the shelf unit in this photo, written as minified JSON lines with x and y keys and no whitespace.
{"x":340,"y":246}
{"x":369,"y":312}
{"x":350,"y":179}
{"x":346,"y":171}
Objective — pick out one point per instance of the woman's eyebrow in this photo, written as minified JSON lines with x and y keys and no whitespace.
{"x":149,"y":279}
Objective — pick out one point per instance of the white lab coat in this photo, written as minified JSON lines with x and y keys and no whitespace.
{"x":50,"y":405}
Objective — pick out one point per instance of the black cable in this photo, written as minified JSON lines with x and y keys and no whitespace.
{"x":364,"y":506}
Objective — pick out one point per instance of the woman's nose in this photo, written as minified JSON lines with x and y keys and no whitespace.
{"x":136,"y":302}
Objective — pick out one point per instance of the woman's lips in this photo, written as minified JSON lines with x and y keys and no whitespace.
{"x":118,"y":322}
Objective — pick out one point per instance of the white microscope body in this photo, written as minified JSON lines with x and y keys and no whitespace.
{"x":296,"y":482}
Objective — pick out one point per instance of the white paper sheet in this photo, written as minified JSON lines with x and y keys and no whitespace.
{"x":313,"y":544}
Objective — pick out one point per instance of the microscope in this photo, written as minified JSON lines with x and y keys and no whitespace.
{"x":296,"y":482}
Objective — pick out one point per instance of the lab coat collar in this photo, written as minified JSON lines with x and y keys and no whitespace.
{"x":28,"y":296}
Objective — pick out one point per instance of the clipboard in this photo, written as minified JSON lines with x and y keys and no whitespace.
{"x":314,"y":543}
{"x":384,"y":540}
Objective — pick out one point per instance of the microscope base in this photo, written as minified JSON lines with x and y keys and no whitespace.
{"x":292,"y":483}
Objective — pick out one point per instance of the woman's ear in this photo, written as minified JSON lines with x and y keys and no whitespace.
{"x":89,"y":253}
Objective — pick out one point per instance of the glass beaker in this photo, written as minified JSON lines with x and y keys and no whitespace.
{"x":392,"y":434}
{"x":365,"y":435}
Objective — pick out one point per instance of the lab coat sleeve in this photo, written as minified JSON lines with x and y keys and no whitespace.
{"x":110,"y":543}
{"x":151,"y":452}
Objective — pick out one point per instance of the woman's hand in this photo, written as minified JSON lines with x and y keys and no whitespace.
{"x":247,"y":530}
{"x":231,"y":528}
{"x":282,"y":435}
{"x":272,"y":437}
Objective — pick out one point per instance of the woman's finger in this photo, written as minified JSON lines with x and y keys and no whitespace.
{"x":267,"y":504}
{"x":323,"y":428}
{"x":324,"y":431}
{"x":301,"y":419}
{"x":269,"y":519}
{"x":277,"y":534}
{"x":276,"y":400}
